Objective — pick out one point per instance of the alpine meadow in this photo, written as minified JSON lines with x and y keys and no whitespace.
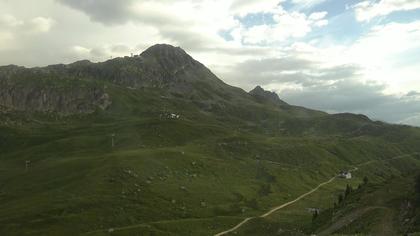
{"x":116,"y":142}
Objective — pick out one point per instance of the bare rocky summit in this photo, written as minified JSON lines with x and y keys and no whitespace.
{"x":264,"y":95}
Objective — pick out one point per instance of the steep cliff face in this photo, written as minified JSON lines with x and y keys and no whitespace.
{"x":49,"y":95}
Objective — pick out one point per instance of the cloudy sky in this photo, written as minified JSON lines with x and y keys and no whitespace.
{"x":360,"y":56}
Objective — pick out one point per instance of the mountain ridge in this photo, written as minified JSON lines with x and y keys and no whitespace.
{"x":262,"y":94}
{"x":160,"y":66}
{"x":82,"y":88}
{"x":167,"y":59}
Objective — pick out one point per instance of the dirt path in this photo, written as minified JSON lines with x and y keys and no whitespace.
{"x":148,"y":225}
{"x":245,"y":220}
{"x":250,"y":218}
{"x":390,"y":159}
{"x":304,"y":195}
{"x":276,"y":208}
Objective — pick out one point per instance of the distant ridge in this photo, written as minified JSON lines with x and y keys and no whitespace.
{"x":264,"y":95}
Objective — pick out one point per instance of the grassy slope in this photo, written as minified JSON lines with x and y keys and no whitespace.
{"x":386,"y":208}
{"x":295,"y":219}
{"x":196,"y":175}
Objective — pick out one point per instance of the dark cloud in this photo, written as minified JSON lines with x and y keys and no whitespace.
{"x":275,"y":64}
{"x":334,"y":89}
{"x":120,"y":48}
{"x":342,"y":95}
{"x":114,"y":12}
{"x":172,"y":28}
{"x":356,"y":97}
{"x":104,"y":11}
{"x":413,"y":94}
{"x":287,"y":70}
{"x":98,"y":52}
{"x":339,"y":72}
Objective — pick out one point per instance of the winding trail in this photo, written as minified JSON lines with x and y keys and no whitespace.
{"x":276,"y":208}
{"x":250,"y":218}
{"x":304,"y":195}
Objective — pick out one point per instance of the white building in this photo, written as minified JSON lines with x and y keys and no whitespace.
{"x":345,"y":174}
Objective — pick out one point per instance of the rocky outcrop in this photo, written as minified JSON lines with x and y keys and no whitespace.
{"x":51,"y":96}
{"x":161,"y":65}
{"x":266,"y":96}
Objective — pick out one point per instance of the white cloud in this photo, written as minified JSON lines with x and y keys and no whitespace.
{"x":385,"y":41}
{"x":287,"y":25}
{"x":387,"y":53}
{"x":7,"y":24}
{"x":37,"y":24}
{"x":243,"y":7}
{"x":13,"y":30}
{"x":383,"y":53}
{"x":6,"y":40}
{"x":40,"y":24}
{"x":81,"y":50}
{"x":8,"y":20}
{"x":321,"y":23}
{"x":304,"y":4}
{"x":196,"y":24}
{"x":318,"y":15}
{"x":412,"y":120}
{"x":367,"y":10}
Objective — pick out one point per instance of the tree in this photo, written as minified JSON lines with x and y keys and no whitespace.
{"x":365,"y":180}
{"x":349,"y":189}
{"x":340,"y":198}
{"x":252,"y":203}
{"x":418,"y":188}
{"x":265,"y":189}
{"x":315,"y":215}
{"x":418,"y":184}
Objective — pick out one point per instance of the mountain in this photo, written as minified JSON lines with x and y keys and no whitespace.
{"x":263,"y":95}
{"x":156,"y":144}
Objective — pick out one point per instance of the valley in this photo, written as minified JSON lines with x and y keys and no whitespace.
{"x":156,"y":144}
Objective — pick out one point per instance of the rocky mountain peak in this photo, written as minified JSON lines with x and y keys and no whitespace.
{"x":264,"y":95}
{"x":166,"y":53}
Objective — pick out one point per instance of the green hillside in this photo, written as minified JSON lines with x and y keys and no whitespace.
{"x":157,"y":145}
